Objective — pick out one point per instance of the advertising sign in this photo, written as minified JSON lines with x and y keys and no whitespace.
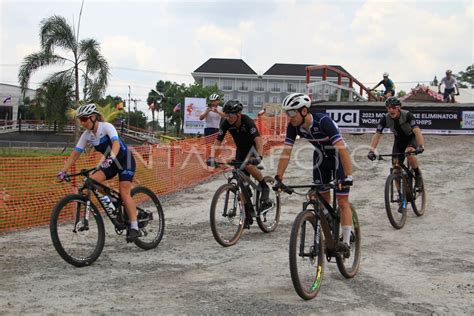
{"x":193,"y":108}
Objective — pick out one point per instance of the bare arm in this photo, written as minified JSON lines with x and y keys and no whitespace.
{"x":259,"y":145}
{"x":345,"y":157}
{"x":215,"y":148}
{"x":375,"y":141}
{"x":71,"y":160}
{"x":204,"y":114}
{"x":420,"y":140}
{"x":284,"y":160}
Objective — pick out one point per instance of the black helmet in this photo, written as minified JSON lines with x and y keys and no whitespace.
{"x":233,"y":106}
{"x":393,"y":101}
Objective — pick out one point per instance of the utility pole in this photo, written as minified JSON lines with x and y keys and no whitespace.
{"x":129,"y":101}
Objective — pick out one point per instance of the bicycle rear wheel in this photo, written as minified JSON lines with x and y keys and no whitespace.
{"x":78,"y":233}
{"x":418,"y":203}
{"x":268,"y":219}
{"x":349,"y":266}
{"x":395,"y":201}
{"x":150,"y":216}
{"x":306,"y":254}
{"x":227,"y":217}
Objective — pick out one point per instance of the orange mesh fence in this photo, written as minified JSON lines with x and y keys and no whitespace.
{"x":29,"y":189}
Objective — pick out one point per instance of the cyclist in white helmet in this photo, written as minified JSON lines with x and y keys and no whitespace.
{"x":117,"y":159}
{"x":212,"y":115}
{"x":388,"y":85}
{"x":450,"y":84}
{"x":331,"y":156}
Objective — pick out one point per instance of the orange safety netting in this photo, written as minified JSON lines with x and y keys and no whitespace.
{"x":29,"y":188}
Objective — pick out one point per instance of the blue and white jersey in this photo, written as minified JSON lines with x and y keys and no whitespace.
{"x":323,"y":133}
{"x":102,"y":140}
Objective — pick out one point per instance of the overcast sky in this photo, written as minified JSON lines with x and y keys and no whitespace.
{"x":145,"y":41}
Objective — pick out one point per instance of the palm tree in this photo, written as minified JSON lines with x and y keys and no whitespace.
{"x":109,"y":112}
{"x":56,"y":33}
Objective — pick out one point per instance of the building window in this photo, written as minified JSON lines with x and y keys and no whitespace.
{"x":258,"y":100}
{"x":228,"y":96}
{"x":227,"y":84}
{"x":210,"y":82}
{"x":259,"y":86}
{"x":291,"y":87}
{"x":275,"y":99}
{"x":244,"y":99}
{"x":243,"y":85}
{"x":275,"y":86}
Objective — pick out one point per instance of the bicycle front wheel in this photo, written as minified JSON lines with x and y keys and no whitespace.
{"x":349,"y":266}
{"x":418,"y":203}
{"x":227,"y":217}
{"x":150,"y":217}
{"x":306,"y":254}
{"x":395,"y":201}
{"x":268,"y":219}
{"x":77,"y":231}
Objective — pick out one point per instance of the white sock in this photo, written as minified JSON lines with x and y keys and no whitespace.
{"x":134,"y":225}
{"x":346,"y":234}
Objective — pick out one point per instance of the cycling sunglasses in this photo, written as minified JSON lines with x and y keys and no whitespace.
{"x":84,"y":119}
{"x":291,"y":113}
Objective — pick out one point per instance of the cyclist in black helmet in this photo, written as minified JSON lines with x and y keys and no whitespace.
{"x":248,"y":142}
{"x":407,"y":133}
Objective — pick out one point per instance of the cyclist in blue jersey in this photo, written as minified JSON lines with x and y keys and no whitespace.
{"x":388,"y":85}
{"x":330,"y":156}
{"x":407,"y":134}
{"x":117,"y":159}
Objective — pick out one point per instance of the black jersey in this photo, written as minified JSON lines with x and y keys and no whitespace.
{"x":244,"y":135}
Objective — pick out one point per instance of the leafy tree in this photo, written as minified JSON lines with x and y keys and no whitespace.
{"x":466,"y":78}
{"x":83,"y":56}
{"x":137,"y":118}
{"x":401,"y":93}
{"x":174,"y":93}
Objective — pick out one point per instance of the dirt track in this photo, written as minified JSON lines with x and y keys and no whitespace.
{"x":427,"y":267}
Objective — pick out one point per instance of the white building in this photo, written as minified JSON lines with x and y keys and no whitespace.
{"x":10,"y":99}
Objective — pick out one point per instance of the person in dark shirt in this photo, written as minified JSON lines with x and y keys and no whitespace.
{"x":407,"y":134}
{"x":388,"y":85}
{"x":330,"y":157}
{"x":248,"y":142}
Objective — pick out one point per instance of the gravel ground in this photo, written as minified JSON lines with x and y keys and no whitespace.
{"x":426,"y":267}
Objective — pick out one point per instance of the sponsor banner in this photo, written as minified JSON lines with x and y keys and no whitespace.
{"x":432,"y":120}
{"x":344,"y":117}
{"x":193,"y":108}
{"x":467,"y":119}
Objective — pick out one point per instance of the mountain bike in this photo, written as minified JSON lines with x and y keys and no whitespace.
{"x":77,"y":228}
{"x":400,"y":189}
{"x":315,"y":234}
{"x":237,"y":202}
{"x":450,"y":98}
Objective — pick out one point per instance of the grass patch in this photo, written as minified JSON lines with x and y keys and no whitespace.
{"x":28,"y":152}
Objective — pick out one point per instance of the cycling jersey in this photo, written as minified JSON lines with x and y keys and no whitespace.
{"x":323,"y":134}
{"x":401,"y":127}
{"x":102,"y":142}
{"x":389,"y":85}
{"x":449,"y":83}
{"x":244,"y":135}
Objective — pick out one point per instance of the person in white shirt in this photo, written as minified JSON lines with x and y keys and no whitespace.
{"x":212,"y":115}
{"x":449,"y":84}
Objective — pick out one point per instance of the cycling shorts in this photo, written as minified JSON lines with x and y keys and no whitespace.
{"x":323,"y":171}
{"x":447,"y":92}
{"x":125,"y":168}
{"x":391,"y":91}
{"x":401,"y":144}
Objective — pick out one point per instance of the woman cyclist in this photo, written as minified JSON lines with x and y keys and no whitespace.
{"x":117,"y":159}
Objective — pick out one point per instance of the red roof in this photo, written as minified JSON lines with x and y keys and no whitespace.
{"x":422,"y":93}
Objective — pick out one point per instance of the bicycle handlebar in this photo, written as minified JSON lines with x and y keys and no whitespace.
{"x":83,"y":172}
{"x":235,"y":163}
{"x":411,"y":153}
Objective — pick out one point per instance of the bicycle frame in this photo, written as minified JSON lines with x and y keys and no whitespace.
{"x":91,"y":185}
{"x":331,"y":235}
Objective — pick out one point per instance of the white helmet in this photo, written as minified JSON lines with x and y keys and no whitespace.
{"x":86,"y":110}
{"x":385,"y":74}
{"x":296,"y":101}
{"x":214,"y":97}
